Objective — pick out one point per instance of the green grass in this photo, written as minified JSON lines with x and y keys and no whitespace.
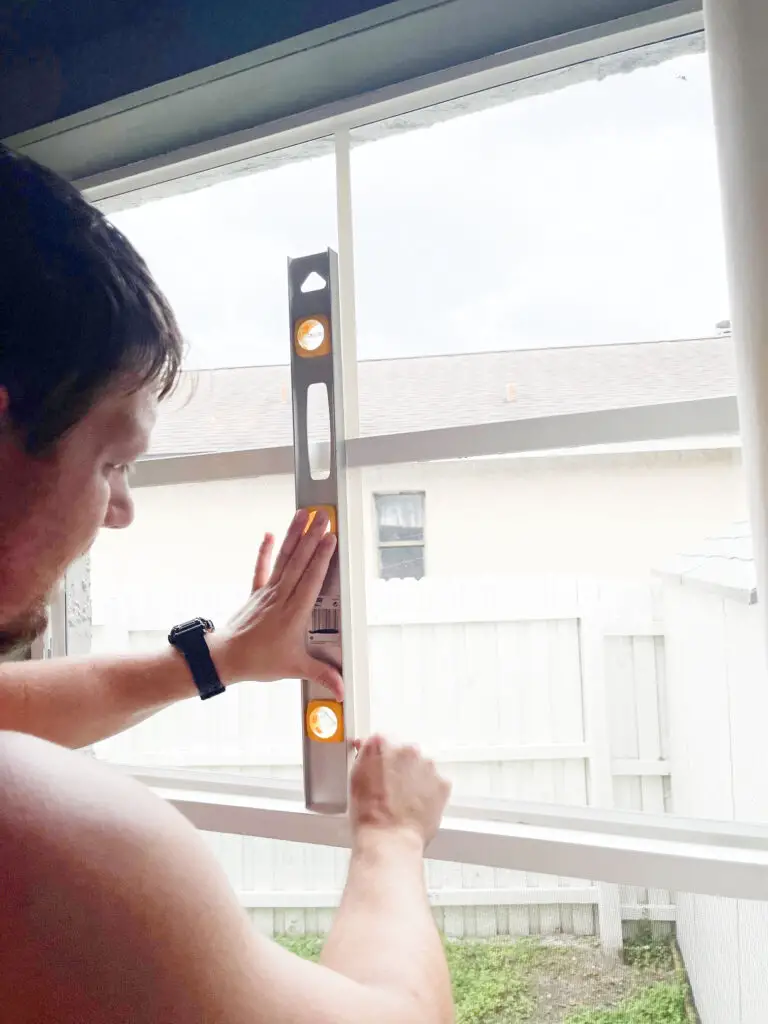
{"x":492,"y":981}
{"x":663,"y":1003}
{"x":308,"y":947}
{"x":648,"y":951}
{"x":495,"y":982}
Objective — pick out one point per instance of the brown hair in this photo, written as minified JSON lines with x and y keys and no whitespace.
{"x":78,"y":306}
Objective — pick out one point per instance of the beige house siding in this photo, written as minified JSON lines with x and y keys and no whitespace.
{"x":591,"y":514}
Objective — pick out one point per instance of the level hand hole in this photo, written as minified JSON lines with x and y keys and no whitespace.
{"x":318,"y":431}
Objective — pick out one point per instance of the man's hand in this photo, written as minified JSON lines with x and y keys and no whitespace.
{"x":384,"y":936}
{"x":79,"y":701}
{"x":396,"y":790}
{"x":267,"y":639}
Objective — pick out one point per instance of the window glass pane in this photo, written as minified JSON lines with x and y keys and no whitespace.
{"x":401,"y":562}
{"x":530,"y":236}
{"x":572,"y":595}
{"x":626,"y":568}
{"x":538,"y":236}
{"x":190,"y":552}
{"x":219,"y":252}
{"x":400,"y":517}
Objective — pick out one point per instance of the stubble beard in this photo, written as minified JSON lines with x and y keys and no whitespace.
{"x":16,"y":636}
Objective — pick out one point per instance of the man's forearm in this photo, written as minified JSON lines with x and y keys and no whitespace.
{"x":78,"y":702}
{"x":75,"y":702}
{"x":384,"y":935}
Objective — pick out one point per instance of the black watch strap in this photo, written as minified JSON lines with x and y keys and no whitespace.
{"x":189,"y":639}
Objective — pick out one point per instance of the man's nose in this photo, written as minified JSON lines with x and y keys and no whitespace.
{"x":120,"y":512}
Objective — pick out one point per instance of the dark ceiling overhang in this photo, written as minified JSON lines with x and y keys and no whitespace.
{"x":90,"y":90}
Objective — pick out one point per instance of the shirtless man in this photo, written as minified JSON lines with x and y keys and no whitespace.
{"x":111,"y":907}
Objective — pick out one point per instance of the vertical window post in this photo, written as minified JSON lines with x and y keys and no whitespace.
{"x":354,"y":622}
{"x":737,"y":38}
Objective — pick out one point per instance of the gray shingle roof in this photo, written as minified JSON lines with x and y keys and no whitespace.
{"x":723,"y":563}
{"x":249,"y":407}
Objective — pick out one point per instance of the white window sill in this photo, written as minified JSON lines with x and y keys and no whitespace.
{"x":713,"y":858}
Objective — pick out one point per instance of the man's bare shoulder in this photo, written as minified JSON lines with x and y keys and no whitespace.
{"x":92,"y":875}
{"x":114,"y":911}
{"x":67,"y":824}
{"x":52,"y":797}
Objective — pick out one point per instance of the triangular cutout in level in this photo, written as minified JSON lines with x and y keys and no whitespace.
{"x":314,"y":282}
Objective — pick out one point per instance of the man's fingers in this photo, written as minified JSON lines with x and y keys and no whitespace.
{"x":372,"y":747}
{"x":306,"y":569}
{"x":263,"y":563}
{"x":289,"y":545}
{"x":305,"y":595}
{"x":326,"y":675}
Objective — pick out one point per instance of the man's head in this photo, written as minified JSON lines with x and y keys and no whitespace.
{"x":88,"y":345}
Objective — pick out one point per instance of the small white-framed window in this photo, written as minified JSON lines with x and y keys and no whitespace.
{"x":400,"y":535}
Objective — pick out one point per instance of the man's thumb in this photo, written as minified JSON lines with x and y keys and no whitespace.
{"x":326,"y":675}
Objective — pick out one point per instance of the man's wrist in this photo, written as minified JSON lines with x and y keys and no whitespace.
{"x":371,"y":840}
{"x":218,"y":650}
{"x":218,"y":645}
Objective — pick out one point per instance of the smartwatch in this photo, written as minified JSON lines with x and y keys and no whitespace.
{"x":189,"y":639}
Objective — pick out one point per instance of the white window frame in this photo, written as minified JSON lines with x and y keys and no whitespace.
{"x":380,"y":544}
{"x":709,"y":858}
{"x":669,"y":853}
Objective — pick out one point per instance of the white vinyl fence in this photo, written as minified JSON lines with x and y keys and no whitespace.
{"x":526,"y":688}
{"x":718,"y":711}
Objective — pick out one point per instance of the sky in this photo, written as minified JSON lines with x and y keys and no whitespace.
{"x":588,"y":215}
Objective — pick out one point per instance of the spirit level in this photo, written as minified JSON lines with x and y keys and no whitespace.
{"x":316,"y":359}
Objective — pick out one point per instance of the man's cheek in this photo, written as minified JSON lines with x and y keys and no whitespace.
{"x":80,"y":529}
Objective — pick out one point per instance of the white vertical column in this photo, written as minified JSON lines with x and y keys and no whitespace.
{"x":598,"y":736}
{"x":737,"y":40}
{"x":354,"y":627}
{"x":78,"y":614}
{"x":77,"y":603}
{"x":56,"y":634}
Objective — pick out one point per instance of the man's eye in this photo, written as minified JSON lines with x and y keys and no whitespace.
{"x":123,"y":468}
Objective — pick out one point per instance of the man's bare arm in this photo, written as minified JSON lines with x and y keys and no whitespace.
{"x":126,"y":916}
{"x":76,"y":702}
{"x":384,"y":928}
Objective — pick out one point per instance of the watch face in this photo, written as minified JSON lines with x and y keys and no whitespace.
{"x":205,"y":624}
